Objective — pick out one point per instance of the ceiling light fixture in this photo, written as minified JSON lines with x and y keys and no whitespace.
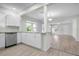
{"x":50,"y":19}
{"x":14,"y":8}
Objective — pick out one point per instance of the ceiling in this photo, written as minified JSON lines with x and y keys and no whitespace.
{"x":36,"y":14}
{"x":57,"y":10}
{"x":18,"y":7}
{"x":62,"y":12}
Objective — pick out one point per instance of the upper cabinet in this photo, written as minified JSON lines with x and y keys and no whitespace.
{"x":13,"y":20}
{"x":2,"y":20}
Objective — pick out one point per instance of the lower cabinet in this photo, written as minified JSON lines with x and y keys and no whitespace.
{"x":2,"y":40}
{"x":19,"y":39}
{"x":32,"y":39}
{"x":37,"y":41}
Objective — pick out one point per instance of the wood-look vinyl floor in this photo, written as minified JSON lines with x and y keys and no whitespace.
{"x":66,"y":43}
{"x":24,"y":50}
{"x":64,"y":46}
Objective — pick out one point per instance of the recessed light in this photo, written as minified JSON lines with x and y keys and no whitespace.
{"x":50,"y":19}
{"x":14,"y":8}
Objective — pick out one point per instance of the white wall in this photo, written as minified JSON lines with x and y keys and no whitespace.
{"x":74,"y":21}
{"x":76,"y":28}
{"x":65,"y":29}
{"x":70,"y":29}
{"x":39,"y":27}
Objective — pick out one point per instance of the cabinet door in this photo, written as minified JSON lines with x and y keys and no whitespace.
{"x":23,"y":38}
{"x":2,"y":20}
{"x":13,"y":20}
{"x":27,"y":38}
{"x":19,"y":39}
{"x":36,"y":42}
{"x":2,"y":40}
{"x":32,"y":39}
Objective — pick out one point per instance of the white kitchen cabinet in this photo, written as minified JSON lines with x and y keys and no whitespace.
{"x":2,"y":21}
{"x":2,"y":40}
{"x":27,"y":38}
{"x":12,"y":20}
{"x":37,"y":40}
{"x":32,"y":39}
{"x":19,"y":38}
{"x":24,"y":37}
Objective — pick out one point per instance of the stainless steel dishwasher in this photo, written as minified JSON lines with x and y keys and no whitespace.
{"x":10,"y":39}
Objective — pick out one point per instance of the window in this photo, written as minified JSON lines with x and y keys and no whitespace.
{"x":30,"y":27}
